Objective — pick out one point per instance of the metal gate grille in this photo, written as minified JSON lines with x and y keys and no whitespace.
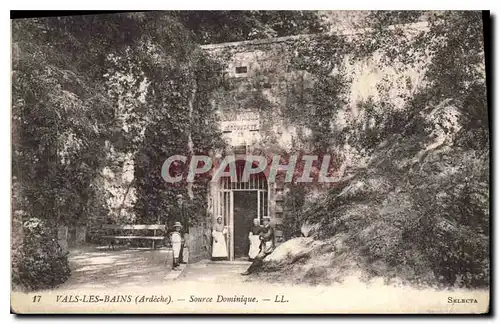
{"x":256,"y":183}
{"x":225,"y":205}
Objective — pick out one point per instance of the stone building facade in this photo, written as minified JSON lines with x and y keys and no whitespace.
{"x":261,"y":84}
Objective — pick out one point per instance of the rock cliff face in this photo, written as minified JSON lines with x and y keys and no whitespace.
{"x":412,"y":199}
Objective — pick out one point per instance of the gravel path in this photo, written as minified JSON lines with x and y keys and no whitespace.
{"x":215,"y":272}
{"x":100,"y":267}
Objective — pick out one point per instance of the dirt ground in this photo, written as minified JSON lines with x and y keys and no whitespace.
{"x":100,"y":271}
{"x":101,"y":267}
{"x":216,"y":272}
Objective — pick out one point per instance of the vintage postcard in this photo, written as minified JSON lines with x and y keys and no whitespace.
{"x":292,"y":162}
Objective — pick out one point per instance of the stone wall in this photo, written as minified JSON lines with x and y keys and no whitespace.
{"x":261,"y":77}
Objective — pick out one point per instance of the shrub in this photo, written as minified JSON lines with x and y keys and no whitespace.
{"x":414,"y":212}
{"x":40,"y":262}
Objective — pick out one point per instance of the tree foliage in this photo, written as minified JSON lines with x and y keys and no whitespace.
{"x":90,"y":91}
{"x":230,"y":26}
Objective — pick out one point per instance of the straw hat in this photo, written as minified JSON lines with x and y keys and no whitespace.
{"x":177,"y":224}
{"x":219,"y":217}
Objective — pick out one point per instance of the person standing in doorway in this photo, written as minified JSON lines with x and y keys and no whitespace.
{"x":219,"y":247}
{"x":254,"y":238}
{"x":266,"y":246}
{"x":176,"y":239}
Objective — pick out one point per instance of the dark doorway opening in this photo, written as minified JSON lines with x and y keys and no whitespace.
{"x":245,"y":210}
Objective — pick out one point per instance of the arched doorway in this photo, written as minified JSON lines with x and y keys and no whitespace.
{"x":239,"y":203}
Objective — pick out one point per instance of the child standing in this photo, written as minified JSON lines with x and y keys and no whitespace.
{"x":176,"y":239}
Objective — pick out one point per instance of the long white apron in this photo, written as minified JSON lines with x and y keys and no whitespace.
{"x":176,"y":240}
{"x":254,"y":246}
{"x":219,"y":248}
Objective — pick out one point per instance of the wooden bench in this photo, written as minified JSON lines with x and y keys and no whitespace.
{"x":115,"y":228}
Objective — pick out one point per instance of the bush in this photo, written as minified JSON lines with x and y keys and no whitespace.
{"x":40,"y":262}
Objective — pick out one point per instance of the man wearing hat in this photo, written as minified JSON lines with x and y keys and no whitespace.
{"x":176,"y":239}
{"x":266,"y":246}
{"x":181,"y":217}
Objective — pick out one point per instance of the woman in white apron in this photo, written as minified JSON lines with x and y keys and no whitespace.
{"x":253,"y":236}
{"x":219,"y":248}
